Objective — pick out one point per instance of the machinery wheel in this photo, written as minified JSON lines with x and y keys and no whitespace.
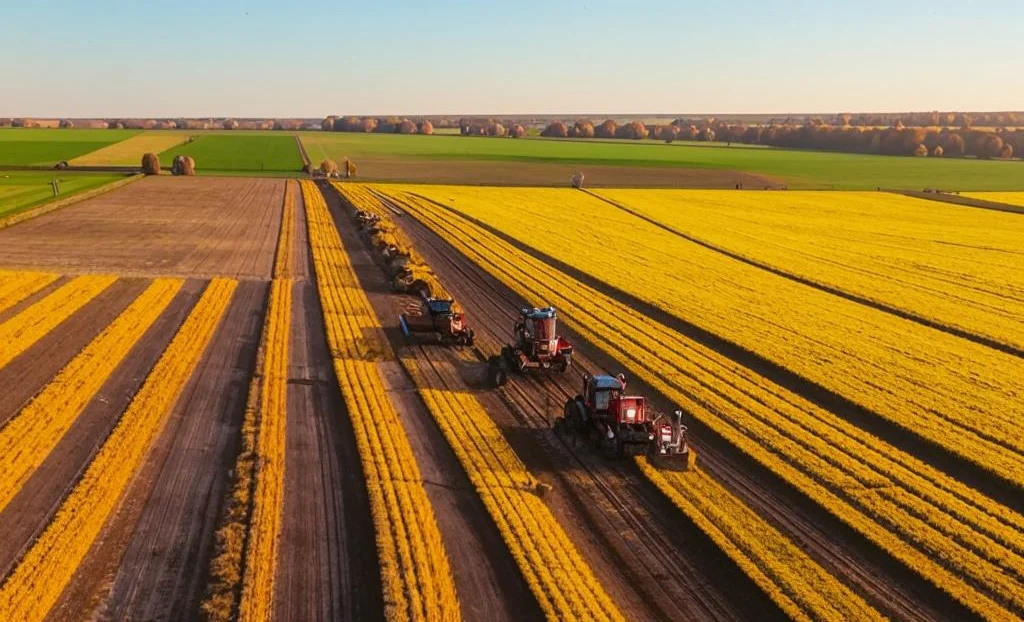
{"x":469,"y":337}
{"x":499,"y":375}
{"x":564,"y":365}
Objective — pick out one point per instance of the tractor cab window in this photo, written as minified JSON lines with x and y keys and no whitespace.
{"x":439,"y":307}
{"x":602,"y":398}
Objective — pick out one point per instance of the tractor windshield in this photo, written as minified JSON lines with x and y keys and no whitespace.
{"x":602,"y":399}
{"x":542,"y":329}
{"x":439,"y":307}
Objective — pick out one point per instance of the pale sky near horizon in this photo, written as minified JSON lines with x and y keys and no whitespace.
{"x":271,"y":59}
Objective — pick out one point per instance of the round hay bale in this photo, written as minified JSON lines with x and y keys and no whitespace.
{"x":230,"y":124}
{"x":937,"y":151}
{"x":405,"y":126}
{"x":1006,"y":152}
{"x":606,"y":129}
{"x":188,"y":167}
{"x":6,"y":122}
{"x":329,"y":168}
{"x":517,"y":131}
{"x":150,"y":164}
{"x":66,"y":124}
{"x":426,"y":127}
{"x":921,"y":151}
{"x":584,"y":128}
{"x":556,"y":129}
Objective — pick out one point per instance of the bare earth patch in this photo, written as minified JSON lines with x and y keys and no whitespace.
{"x":181,"y":226}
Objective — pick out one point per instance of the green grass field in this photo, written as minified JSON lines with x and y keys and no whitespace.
{"x":795,"y":168}
{"x":23,"y":190}
{"x":240,"y":152}
{"x":46,"y":147}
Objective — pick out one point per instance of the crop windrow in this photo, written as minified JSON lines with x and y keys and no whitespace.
{"x":40,"y":577}
{"x":244,"y":569}
{"x":20,"y":332}
{"x":17,"y":286}
{"x":415,"y":574}
{"x":32,"y":434}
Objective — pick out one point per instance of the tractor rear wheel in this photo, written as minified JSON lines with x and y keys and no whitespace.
{"x":498,"y":373}
{"x":563,"y":365}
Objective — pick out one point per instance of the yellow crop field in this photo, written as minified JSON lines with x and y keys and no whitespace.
{"x":17,"y":286}
{"x":415,"y":572}
{"x":950,"y":265}
{"x":558,"y":576}
{"x":1010,"y":198}
{"x":874,"y":359}
{"x":800,"y":586}
{"x":33,"y":323}
{"x":32,"y":434}
{"x":34,"y":586}
{"x":129,"y":152}
{"x":956,"y":538}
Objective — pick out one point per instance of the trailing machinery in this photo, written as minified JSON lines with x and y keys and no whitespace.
{"x":440,"y":318}
{"x":619,"y":424}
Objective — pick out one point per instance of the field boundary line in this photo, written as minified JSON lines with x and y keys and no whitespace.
{"x":53,"y":206}
{"x":302,"y":151}
{"x":828,"y":289}
{"x":961,"y":201}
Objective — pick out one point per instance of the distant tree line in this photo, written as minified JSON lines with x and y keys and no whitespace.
{"x":377,"y":125}
{"x":894,"y":140}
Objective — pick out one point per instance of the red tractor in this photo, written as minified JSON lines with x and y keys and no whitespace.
{"x":440,"y":318}
{"x":619,"y":424}
{"x":537,"y":346}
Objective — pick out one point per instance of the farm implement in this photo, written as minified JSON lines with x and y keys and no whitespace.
{"x":440,"y":318}
{"x":537,"y":346}
{"x":623,"y":425}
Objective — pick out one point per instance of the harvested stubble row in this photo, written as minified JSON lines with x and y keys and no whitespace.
{"x":243,"y":573}
{"x":950,"y":265}
{"x":558,"y":576}
{"x":953,"y":536}
{"x":17,"y":286}
{"x":416,"y":577}
{"x":261,"y":553}
{"x":35,"y":431}
{"x":30,"y":325}
{"x":37,"y":582}
{"x":936,"y":386}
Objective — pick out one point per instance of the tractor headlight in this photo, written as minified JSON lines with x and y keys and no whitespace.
{"x":631,"y":413}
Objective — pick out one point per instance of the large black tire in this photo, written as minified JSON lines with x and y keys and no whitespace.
{"x":497,"y":372}
{"x":564,"y":365}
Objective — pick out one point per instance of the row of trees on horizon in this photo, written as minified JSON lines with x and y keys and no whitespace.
{"x":894,"y":140}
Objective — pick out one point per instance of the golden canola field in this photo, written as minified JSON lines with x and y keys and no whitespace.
{"x":945,"y":388}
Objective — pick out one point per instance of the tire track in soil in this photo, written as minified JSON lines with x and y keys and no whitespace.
{"x":38,"y":500}
{"x":886,"y":585}
{"x":327,"y":558}
{"x":162,"y":574}
{"x":489,"y":583}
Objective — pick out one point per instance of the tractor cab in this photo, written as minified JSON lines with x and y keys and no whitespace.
{"x":439,"y":306}
{"x":605,"y":397}
{"x":535,"y":333}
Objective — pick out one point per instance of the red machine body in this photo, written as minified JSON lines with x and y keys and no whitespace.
{"x":537,"y":346}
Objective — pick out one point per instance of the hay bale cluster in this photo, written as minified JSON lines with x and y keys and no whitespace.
{"x":184,"y":166}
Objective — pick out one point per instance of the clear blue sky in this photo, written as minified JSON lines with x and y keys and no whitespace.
{"x":261,"y":58}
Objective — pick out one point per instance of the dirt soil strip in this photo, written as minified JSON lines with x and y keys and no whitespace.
{"x":161,"y":226}
{"x":34,"y":505}
{"x":956,"y":199}
{"x":29,"y":372}
{"x":489,"y":583}
{"x":492,"y":307}
{"x":152,"y":565}
{"x":327,"y":557}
